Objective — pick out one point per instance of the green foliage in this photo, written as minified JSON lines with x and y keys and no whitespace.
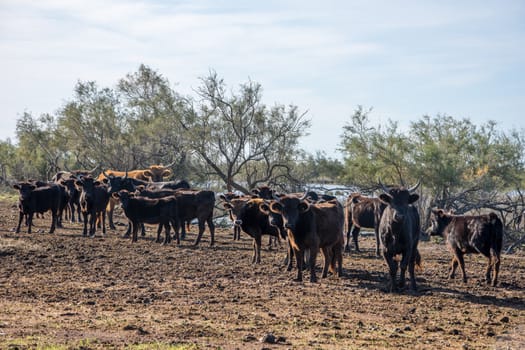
{"x":460,"y":164}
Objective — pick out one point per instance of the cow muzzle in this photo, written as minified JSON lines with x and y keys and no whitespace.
{"x":238,"y":222}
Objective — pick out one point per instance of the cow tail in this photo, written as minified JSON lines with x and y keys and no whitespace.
{"x":496,"y":236}
{"x":418,"y":261}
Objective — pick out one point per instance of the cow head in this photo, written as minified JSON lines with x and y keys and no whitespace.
{"x":398,"y":198}
{"x":237,"y":207}
{"x":25,"y":189}
{"x":264,"y":192}
{"x":123,"y":196}
{"x":290,"y":208}
{"x":117,"y":183}
{"x":439,"y":219}
{"x":156,"y":173}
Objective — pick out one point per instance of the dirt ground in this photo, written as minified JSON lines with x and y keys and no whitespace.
{"x":64,"y":291}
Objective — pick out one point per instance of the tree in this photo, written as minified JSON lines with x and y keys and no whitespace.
{"x":38,"y":151}
{"x":239,"y":139}
{"x":371,"y":153}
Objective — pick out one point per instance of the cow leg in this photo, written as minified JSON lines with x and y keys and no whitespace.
{"x":29,"y":222}
{"x":495,"y":263}
{"x":355,"y":235}
{"x":93,"y":224}
{"x":338,"y":256}
{"x":289,"y":257}
{"x":128,"y":230}
{"x":411,"y":272}
{"x":85,"y":216}
{"x":348,"y":233}
{"x":211,"y":227}
{"x":453,"y":266}
{"x":462,"y":266}
{"x":142,"y":229}
{"x":378,"y":241}
{"x":159,"y":232}
{"x":176,"y":231}
{"x":54,"y":220}
{"x":167,"y":233}
{"x":134,"y":236}
{"x":327,"y":260}
{"x":21,"y":217}
{"x":103,"y":213}
{"x":256,"y":259}
{"x":109,"y":210}
{"x":313,"y":258}
{"x":78,"y":213}
{"x":403,"y":268}
{"x":199,"y":235}
{"x":299,"y":256}
{"x":392,"y":268}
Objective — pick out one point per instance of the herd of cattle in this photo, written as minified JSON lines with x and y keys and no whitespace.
{"x":309,"y":222}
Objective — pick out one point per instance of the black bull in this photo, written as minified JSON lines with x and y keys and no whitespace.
{"x":399,"y":233}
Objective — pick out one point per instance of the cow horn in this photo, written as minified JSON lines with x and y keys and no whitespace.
{"x":385,"y":189}
{"x":93,"y":170}
{"x":170,"y":164}
{"x":413,"y":188}
{"x":104,"y":173}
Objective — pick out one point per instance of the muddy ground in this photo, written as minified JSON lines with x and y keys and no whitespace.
{"x":66,"y":291}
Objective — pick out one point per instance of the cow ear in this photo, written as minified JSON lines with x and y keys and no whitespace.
{"x":16,"y":186}
{"x":79,"y":183}
{"x":385,"y":198}
{"x":255,"y":191}
{"x":105,"y":180}
{"x":148,"y":173}
{"x":166,"y":173}
{"x":115,"y":195}
{"x":264,"y":208}
{"x":412,"y":198}
{"x":96,"y":183}
{"x":223,"y":197}
{"x":227,"y":206}
{"x":303,"y":206}
{"x":276,"y":207}
{"x":441,"y":213}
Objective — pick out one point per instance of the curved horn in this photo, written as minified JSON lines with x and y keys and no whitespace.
{"x":386,"y":189}
{"x":413,"y":188}
{"x":170,"y":164}
{"x":93,"y":170}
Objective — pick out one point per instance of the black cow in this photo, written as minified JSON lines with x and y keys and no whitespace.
{"x":247,"y":215}
{"x":465,"y":234}
{"x":399,"y":233}
{"x":34,"y":199}
{"x":140,"y":210}
{"x":94,"y":198}
{"x":199,"y":205}
{"x":313,"y":226}
{"x":362,"y":212}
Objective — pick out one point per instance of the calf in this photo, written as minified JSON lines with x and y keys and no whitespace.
{"x":94,"y":198}
{"x":247,"y":215}
{"x":199,"y":205}
{"x":465,"y":234}
{"x":140,"y":210}
{"x":362,"y":211}
{"x":34,"y":199}
{"x":226,"y":197}
{"x":399,"y":233}
{"x":314,"y":227}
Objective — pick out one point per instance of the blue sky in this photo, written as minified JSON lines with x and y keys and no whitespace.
{"x":405,"y":59}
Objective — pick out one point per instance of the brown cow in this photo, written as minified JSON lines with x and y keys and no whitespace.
{"x":466,"y":234}
{"x":314,"y":227}
{"x":362,"y":212}
{"x":155,"y":173}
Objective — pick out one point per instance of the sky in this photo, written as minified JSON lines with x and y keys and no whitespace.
{"x":403,"y":59}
